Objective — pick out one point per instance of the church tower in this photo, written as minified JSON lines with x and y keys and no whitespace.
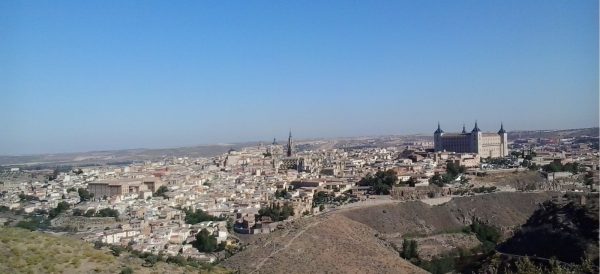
{"x":503,"y":141}
{"x":290,"y":145}
{"x":476,"y":139}
{"x":437,"y":139}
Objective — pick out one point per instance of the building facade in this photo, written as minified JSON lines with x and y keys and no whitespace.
{"x":492,"y":145}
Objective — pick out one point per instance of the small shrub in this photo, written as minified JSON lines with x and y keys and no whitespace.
{"x":126,"y":270}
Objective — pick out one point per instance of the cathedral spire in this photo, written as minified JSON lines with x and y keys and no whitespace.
{"x":464,"y":130}
{"x":290,"y":145}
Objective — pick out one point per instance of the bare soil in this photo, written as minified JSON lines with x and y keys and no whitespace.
{"x":325,"y":244}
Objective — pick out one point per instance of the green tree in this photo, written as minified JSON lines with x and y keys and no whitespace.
{"x":436,"y":180}
{"x":413,"y":249}
{"x":409,"y":249}
{"x":453,"y":170}
{"x":412,"y":181}
{"x":84,"y":194}
{"x":78,"y":212}
{"x":381,"y":182}
{"x":488,"y":235}
{"x":60,"y":208}
{"x":198,"y":216}
{"x":161,"y":191}
{"x":277,"y":212}
{"x":127,"y":270}
{"x":281,"y":194}
{"x":107,"y":212}
{"x":205,"y":242}
{"x":151,"y":260}
{"x":116,"y":250}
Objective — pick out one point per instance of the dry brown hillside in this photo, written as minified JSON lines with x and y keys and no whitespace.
{"x":326,"y":244}
{"x":359,"y":240}
{"x":505,"y":210}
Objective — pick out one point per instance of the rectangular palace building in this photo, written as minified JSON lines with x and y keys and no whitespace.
{"x":492,"y":145}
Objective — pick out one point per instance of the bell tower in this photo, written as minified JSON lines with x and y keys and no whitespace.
{"x":437,"y":139}
{"x":290,"y":145}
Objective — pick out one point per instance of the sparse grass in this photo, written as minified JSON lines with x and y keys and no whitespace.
{"x":24,"y":251}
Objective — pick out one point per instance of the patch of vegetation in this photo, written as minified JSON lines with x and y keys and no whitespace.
{"x":559,"y":167}
{"x":198,"y":216}
{"x":488,"y":235}
{"x":484,"y":189}
{"x":281,"y":193}
{"x":126,"y":270}
{"x":440,"y":265}
{"x":452,"y":172}
{"x":322,"y":197}
{"x":107,"y":212}
{"x":206,"y":242}
{"x":27,"y":198}
{"x":277,"y":212}
{"x":161,"y":192}
{"x":60,"y":208}
{"x":84,"y":194}
{"x":381,"y":183}
{"x":409,"y":249}
{"x":34,"y":223}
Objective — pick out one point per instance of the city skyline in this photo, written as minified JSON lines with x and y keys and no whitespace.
{"x":282,"y":140}
{"x":83,"y":77}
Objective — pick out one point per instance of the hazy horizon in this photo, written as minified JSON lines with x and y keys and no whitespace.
{"x":282,"y":140}
{"x":111,"y":75}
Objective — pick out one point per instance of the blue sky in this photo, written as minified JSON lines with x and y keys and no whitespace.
{"x":95,"y":75}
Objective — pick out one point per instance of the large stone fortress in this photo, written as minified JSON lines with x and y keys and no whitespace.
{"x":485,"y":144}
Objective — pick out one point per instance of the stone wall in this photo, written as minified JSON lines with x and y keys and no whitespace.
{"x":419,"y":192}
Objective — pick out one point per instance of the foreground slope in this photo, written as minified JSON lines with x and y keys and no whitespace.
{"x":360,"y":240}
{"x":325,"y":244}
{"x":23,"y":251}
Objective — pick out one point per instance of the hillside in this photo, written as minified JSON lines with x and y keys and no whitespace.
{"x":360,"y":240}
{"x":504,"y":210}
{"x":326,"y":244}
{"x":568,"y":232}
{"x":23,"y":251}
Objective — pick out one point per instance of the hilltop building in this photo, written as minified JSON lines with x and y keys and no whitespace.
{"x":492,"y":145}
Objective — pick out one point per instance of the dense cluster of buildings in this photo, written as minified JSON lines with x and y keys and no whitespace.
{"x":237,"y":184}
